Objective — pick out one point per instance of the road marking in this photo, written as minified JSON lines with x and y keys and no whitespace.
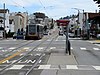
{"x":30,"y":61}
{"x":96,"y":48}
{"x":97,"y":45}
{"x":40,"y":48}
{"x":11,"y":48}
{"x":26,"y":48}
{"x":82,"y":48}
{"x":71,"y":67}
{"x":38,"y":54}
{"x":40,"y":61}
{"x":56,"y":40}
{"x":71,"y":48}
{"x":44,"y":67}
{"x":39,"y":40}
{"x":67,"y":67}
{"x":17,"y":67}
{"x":48,"y":40}
{"x":63,"y":40}
{"x":52,"y":47}
{"x":97,"y":67}
{"x":1,"y":47}
{"x":12,"y":56}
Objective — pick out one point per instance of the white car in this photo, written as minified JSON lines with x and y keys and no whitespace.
{"x":98,"y":36}
{"x":60,"y":32}
{"x":71,"y":35}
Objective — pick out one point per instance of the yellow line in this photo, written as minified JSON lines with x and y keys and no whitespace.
{"x":12,"y":56}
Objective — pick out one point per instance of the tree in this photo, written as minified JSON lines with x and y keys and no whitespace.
{"x":97,"y":1}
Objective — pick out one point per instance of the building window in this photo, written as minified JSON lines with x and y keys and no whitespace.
{"x":71,"y":25}
{"x":1,"y":21}
{"x":10,"y":21}
{"x":7,"y":26}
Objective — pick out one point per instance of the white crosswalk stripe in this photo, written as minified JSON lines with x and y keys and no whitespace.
{"x":26,"y":48}
{"x":16,"y":66}
{"x":97,"y":67}
{"x":44,"y":67}
{"x":11,"y":48}
{"x":71,"y":47}
{"x":52,"y":47}
{"x":96,"y":48}
{"x":67,"y":67}
{"x":71,"y":67}
{"x":40,"y":48}
{"x":82,"y":48}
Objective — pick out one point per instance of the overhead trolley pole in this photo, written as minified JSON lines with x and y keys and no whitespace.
{"x":65,"y":23}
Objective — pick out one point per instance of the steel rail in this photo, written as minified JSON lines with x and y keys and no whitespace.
{"x":19,"y":47}
{"x":27,"y":73}
{"x":4,"y":69}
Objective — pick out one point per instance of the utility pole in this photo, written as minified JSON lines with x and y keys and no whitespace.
{"x":82,"y":29}
{"x":4,"y":21}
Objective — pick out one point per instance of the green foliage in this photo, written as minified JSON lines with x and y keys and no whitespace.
{"x":97,"y":1}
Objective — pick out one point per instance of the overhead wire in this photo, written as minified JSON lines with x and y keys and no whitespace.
{"x":43,"y":7}
{"x":19,"y":5}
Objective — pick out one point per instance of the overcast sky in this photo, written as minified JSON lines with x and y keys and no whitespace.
{"x":52,"y":8}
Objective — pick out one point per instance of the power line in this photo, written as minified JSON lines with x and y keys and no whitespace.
{"x":43,"y":6}
{"x":16,"y":3}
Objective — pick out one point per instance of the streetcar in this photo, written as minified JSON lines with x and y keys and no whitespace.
{"x":34,"y":31}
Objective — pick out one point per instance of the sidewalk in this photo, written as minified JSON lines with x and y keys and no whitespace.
{"x":95,"y":41}
{"x":57,"y":63}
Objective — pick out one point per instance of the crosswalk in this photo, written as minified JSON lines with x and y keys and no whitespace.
{"x":94,"y":48}
{"x":70,"y":67}
{"x":55,"y":67}
{"x":3,"y":49}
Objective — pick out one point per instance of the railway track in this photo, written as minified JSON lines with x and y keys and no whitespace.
{"x":4,"y":69}
{"x":19,"y":46}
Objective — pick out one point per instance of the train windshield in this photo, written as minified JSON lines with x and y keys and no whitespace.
{"x":32,"y":29}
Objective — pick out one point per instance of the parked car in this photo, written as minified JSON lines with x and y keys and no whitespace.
{"x":98,"y":36}
{"x":60,"y":32}
{"x":21,"y":35}
{"x":15,"y":36}
{"x":71,"y":35}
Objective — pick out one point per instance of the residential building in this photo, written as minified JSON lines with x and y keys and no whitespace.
{"x":4,"y":16}
{"x":18,"y":21}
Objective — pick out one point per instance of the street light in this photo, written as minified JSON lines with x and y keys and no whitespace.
{"x":78,"y":16}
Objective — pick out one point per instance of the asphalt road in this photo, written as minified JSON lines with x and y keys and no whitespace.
{"x":20,"y":57}
{"x":23,"y":57}
{"x":87,"y":56}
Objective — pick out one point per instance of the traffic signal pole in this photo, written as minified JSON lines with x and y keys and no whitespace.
{"x":66,"y":39}
{"x":65,"y":23}
{"x":68,"y":50}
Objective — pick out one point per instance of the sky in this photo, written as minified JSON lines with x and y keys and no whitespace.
{"x":52,"y":8}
